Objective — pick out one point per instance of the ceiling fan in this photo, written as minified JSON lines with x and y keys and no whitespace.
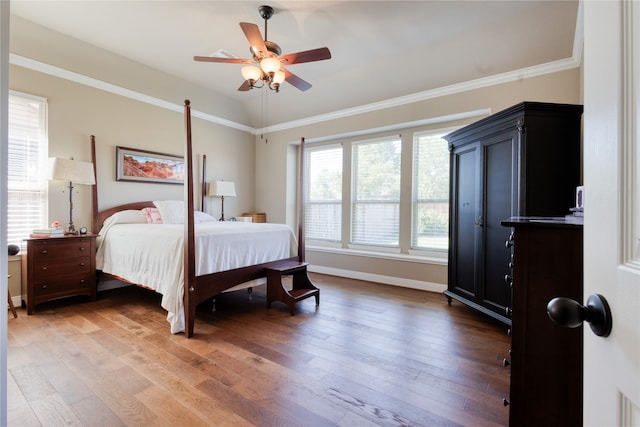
{"x":270,"y":62}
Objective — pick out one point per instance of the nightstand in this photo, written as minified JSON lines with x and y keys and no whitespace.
{"x":58,"y":267}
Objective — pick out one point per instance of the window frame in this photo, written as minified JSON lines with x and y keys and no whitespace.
{"x":414,"y":247}
{"x":309,"y":237}
{"x":381,"y":247}
{"x":38,"y":188}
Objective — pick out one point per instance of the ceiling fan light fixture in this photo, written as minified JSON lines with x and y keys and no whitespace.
{"x":270,"y":65}
{"x":278,"y":77}
{"x":251,"y":73}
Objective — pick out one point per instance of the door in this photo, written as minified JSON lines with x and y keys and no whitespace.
{"x":612,"y":208}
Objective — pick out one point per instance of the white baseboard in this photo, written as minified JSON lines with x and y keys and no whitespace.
{"x":377,"y":278}
{"x":16,"y":300}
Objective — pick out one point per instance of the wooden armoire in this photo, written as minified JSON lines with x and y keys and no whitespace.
{"x":523,"y":161}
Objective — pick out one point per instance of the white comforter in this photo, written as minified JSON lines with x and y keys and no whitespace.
{"x":152,"y":254}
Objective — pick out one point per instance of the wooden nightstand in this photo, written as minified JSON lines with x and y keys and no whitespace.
{"x":58,"y":267}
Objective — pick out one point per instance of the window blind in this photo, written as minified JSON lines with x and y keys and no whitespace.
{"x":430,"y":228}
{"x":375,"y":218}
{"x":26,"y":171}
{"x":323,"y":195}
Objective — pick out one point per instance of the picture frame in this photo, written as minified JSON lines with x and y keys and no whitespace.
{"x":137,"y":165}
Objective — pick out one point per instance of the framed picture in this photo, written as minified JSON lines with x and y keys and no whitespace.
{"x":148,"y":166}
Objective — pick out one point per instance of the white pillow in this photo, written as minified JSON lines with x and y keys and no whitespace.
{"x":129,"y":217}
{"x":199,"y":217}
{"x":171,"y":211}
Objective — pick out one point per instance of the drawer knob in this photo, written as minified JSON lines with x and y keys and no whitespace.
{"x":505,"y":362}
{"x":508,"y":280}
{"x":82,"y":264}
{"x":44,"y":251}
{"x":81,"y":248}
{"x":81,"y":280}
{"x":44,"y":268}
{"x":45,"y":286}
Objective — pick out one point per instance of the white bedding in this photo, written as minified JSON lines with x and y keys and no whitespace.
{"x":152,"y":254}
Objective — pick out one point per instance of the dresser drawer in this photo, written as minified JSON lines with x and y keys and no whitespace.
{"x":47,"y":267}
{"x":43,"y":270}
{"x":72,"y":284}
{"x":60,"y":249}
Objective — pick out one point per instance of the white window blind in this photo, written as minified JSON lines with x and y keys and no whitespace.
{"x":430,"y":228}
{"x":323,"y":195}
{"x":375,"y":218}
{"x":27,"y":162}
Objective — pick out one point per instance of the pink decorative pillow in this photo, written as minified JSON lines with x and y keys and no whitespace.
{"x":152,"y":215}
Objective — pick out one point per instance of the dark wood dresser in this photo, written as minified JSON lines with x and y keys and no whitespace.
{"x":58,"y":267}
{"x":546,"y":359}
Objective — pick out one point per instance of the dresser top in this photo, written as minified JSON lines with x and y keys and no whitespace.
{"x":542,"y":221}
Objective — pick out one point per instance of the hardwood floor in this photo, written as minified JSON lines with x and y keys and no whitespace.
{"x":368,"y":355}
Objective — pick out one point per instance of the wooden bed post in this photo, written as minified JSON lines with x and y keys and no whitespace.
{"x":189,"y":243}
{"x":95,"y":227}
{"x":203,"y":192}
{"x":301,"y":254}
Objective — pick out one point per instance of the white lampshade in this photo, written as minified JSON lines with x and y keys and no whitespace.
{"x":278,"y":77}
{"x":71,"y":170}
{"x":270,"y":65}
{"x":222,"y":189}
{"x":251,"y":72}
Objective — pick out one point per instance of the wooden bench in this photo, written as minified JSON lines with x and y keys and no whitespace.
{"x":302,"y":286}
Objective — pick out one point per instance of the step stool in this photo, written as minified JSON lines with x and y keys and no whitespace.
{"x":302,"y":286}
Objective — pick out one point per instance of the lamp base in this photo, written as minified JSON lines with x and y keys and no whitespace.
{"x":71,"y":229}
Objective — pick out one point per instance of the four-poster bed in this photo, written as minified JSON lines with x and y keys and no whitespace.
{"x":200,"y":287}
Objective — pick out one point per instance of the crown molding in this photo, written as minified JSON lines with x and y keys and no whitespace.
{"x":534,"y":71}
{"x":54,"y":71}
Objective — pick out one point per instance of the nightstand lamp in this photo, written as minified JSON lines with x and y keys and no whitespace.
{"x":74,"y":172}
{"x":222,"y":189}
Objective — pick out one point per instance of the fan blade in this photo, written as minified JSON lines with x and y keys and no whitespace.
{"x":245,"y":86}
{"x":296,"y":81}
{"x":252,"y":33}
{"x":225,"y":60}
{"x":306,"y":56}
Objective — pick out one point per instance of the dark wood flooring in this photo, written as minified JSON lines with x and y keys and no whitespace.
{"x":368,"y":355}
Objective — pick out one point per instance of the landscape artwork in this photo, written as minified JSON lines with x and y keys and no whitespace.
{"x":148,"y":166}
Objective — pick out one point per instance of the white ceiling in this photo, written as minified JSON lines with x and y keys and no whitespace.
{"x":380,"y":49}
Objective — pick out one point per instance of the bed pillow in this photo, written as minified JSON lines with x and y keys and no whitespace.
{"x":152,"y":215}
{"x":171,"y":211}
{"x":200,"y":217}
{"x":129,"y":216}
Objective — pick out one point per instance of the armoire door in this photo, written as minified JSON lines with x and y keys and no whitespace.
{"x":500,"y":164}
{"x":466,"y":223}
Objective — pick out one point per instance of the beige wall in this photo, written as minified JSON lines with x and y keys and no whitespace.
{"x":77,"y":111}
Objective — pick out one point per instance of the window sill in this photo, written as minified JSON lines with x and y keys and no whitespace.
{"x":413,"y":255}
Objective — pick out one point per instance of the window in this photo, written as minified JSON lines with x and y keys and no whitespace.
{"x":323,"y":195}
{"x":27,"y":160}
{"x":375,"y":218}
{"x":430,"y":214}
